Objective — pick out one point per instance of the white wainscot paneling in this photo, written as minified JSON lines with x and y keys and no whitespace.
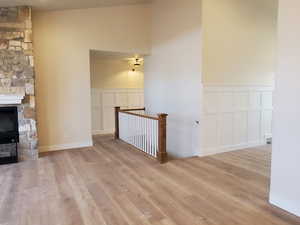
{"x":227,"y":129}
{"x":103,"y":103}
{"x":121,"y":99}
{"x":254,"y":125}
{"x":210,"y":134}
{"x":135,"y":100}
{"x":226,"y":101}
{"x":241,"y":101}
{"x":235,"y":117}
{"x":240,"y":126}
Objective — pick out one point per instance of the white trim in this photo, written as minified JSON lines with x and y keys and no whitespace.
{"x":214,"y":151}
{"x":66,"y":146}
{"x":9,"y":100}
{"x":11,"y":95}
{"x":236,"y":87}
{"x":285,"y":205}
{"x":99,"y":132}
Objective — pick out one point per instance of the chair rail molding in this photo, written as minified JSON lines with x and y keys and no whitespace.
{"x":235,"y":117}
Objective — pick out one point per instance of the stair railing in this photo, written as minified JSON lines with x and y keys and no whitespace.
{"x":148,"y":133}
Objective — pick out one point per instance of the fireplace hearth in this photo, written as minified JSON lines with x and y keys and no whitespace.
{"x":9,"y":134}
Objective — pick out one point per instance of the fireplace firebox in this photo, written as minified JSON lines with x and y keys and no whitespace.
{"x":9,"y":135}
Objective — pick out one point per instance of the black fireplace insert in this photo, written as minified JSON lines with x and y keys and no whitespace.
{"x":9,"y":134}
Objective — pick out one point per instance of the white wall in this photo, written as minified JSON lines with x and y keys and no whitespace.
{"x":239,"y":41}
{"x":62,"y":42}
{"x":285,"y":175}
{"x":173,"y":72}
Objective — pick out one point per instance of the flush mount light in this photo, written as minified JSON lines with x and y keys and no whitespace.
{"x":135,"y":63}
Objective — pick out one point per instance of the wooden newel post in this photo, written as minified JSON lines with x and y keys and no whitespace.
{"x":162,"y":138}
{"x":117,"y":110}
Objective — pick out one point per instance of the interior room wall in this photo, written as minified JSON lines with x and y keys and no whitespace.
{"x":173,"y":72}
{"x":239,"y":41}
{"x":285,"y":176}
{"x":63,"y":40}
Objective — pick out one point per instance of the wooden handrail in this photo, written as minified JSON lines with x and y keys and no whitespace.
{"x":140,"y":115}
{"x":126,"y":110}
{"x":162,"y":155}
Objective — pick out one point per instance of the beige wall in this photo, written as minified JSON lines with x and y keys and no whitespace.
{"x":239,"y":41}
{"x":115,"y":73}
{"x":62,"y":42}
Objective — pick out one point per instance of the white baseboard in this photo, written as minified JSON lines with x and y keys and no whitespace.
{"x":285,"y":205}
{"x":98,"y":132}
{"x":66,"y":146}
{"x":223,"y":149}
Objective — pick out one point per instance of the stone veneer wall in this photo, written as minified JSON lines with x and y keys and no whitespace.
{"x":17,"y":70}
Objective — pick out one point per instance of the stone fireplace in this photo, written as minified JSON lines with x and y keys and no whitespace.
{"x":17,"y":74}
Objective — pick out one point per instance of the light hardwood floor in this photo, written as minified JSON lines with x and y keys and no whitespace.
{"x":112,"y":185}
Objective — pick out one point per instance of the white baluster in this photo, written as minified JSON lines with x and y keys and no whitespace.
{"x":140,"y":132}
{"x":151,"y":138}
{"x":145,"y":133}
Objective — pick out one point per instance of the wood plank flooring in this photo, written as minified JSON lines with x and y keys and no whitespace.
{"x":110,"y":184}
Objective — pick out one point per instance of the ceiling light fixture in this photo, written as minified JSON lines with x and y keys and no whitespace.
{"x":135,"y":63}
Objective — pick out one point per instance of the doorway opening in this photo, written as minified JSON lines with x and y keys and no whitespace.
{"x":117,"y":79}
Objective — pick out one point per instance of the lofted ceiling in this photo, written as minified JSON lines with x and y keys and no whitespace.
{"x":40,"y":5}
